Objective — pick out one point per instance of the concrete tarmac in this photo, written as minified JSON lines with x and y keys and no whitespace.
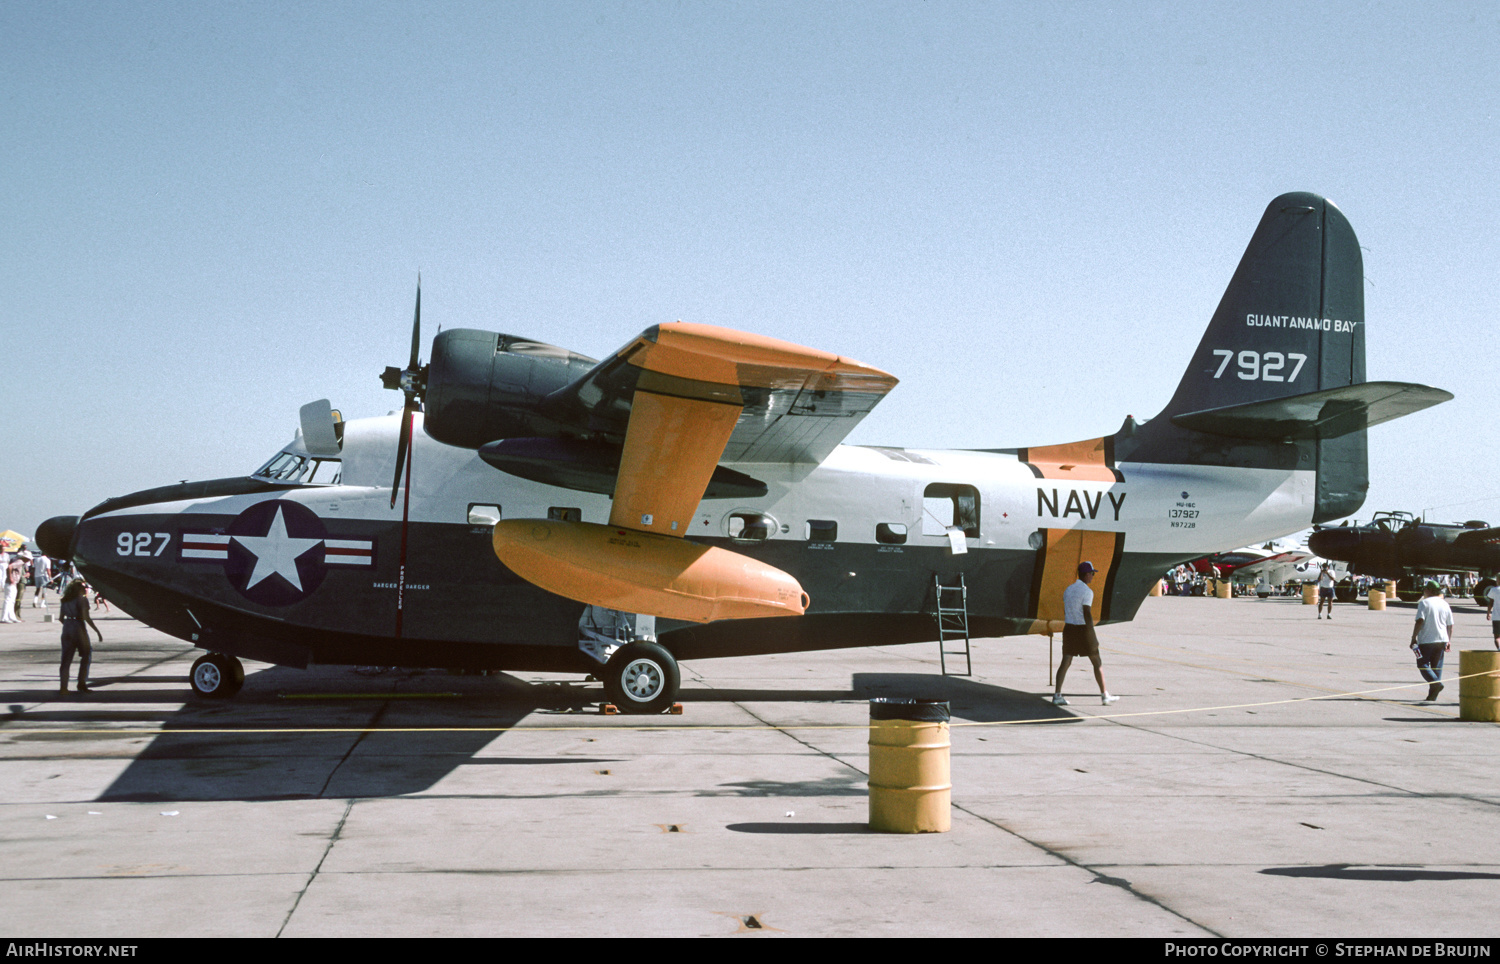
{"x":1265,"y":773}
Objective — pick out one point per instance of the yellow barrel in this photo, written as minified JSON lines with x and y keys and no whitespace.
{"x":1309,"y":594}
{"x":1225,"y":589}
{"x":910,"y":786}
{"x":1479,"y":696}
{"x":1377,"y":598}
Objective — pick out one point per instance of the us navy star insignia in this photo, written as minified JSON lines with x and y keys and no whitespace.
{"x":276,"y":553}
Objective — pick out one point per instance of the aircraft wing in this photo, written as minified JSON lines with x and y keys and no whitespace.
{"x":1273,"y":562}
{"x":683,"y":397}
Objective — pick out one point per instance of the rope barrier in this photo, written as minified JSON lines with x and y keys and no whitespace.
{"x":6,"y":729}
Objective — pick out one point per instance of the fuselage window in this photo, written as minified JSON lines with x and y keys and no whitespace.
{"x":822,"y":530}
{"x":751,"y":527}
{"x":565,"y":514}
{"x":891,"y":533}
{"x":945,"y":505}
{"x":483,"y":515}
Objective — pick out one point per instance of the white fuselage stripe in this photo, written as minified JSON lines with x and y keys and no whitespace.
{"x":1175,"y":510}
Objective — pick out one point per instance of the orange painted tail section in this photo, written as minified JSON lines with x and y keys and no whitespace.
{"x":1090,"y":460}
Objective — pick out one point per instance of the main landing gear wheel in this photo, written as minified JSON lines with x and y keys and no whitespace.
{"x":641,"y":678}
{"x":1481,"y":592}
{"x":217,"y":676}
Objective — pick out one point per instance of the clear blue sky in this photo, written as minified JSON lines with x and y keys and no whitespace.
{"x":213,"y":213}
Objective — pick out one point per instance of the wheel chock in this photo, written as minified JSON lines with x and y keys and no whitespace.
{"x":610,"y":709}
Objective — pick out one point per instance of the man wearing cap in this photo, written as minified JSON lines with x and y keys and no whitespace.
{"x":1325,"y":590}
{"x":1078,"y":633}
{"x":1431,"y":637}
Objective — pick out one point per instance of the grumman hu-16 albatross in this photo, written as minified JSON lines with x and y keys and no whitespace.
{"x":689,"y":497}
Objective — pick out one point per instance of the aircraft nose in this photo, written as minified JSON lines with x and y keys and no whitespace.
{"x":1333,"y":543}
{"x":55,"y":536}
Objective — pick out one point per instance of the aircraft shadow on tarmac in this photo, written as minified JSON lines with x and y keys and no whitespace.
{"x":267,"y":743}
{"x":800,"y":828}
{"x":967,"y":700}
{"x":1366,"y":872}
{"x":323,"y":732}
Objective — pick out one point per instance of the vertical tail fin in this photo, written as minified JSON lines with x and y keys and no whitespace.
{"x":1292,"y":318}
{"x":1291,"y":322}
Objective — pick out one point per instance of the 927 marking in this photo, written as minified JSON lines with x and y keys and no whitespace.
{"x":1260,"y":366}
{"x":139,"y":543}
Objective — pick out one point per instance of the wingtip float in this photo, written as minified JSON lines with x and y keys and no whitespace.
{"x":641,"y":572}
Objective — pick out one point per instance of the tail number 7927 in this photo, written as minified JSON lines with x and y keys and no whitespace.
{"x":1261,"y":366}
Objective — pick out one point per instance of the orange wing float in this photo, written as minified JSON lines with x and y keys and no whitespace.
{"x":695,"y":393}
{"x":639,"y":572}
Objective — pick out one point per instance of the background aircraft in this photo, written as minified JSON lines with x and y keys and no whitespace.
{"x":1397,"y":545}
{"x":689,"y":497}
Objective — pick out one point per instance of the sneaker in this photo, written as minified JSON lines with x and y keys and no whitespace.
{"x":1432,"y":692}
{"x":1106,"y":699}
{"x":1059,"y":700}
{"x":83,"y":687}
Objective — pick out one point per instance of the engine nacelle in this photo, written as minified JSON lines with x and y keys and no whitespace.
{"x":482,"y":386}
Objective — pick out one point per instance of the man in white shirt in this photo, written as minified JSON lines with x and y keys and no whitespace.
{"x":1078,"y":634}
{"x":41,"y":574}
{"x":1491,"y":599}
{"x":1431,"y":637}
{"x":1325,"y":590}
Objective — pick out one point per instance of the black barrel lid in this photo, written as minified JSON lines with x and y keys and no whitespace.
{"x":917,"y":711}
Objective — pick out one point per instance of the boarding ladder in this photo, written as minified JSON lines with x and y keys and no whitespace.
{"x":953,"y":624}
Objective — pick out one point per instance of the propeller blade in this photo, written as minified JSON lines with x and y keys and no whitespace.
{"x":412,"y":383}
{"x":401,"y":450}
{"x":416,"y":329}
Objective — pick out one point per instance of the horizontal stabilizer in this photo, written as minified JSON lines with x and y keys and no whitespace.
{"x":1327,"y":414}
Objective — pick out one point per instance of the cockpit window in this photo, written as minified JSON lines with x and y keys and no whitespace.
{"x":292,"y":469}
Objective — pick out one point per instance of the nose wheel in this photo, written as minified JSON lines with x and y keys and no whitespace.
{"x":217,"y":676}
{"x":642,"y":678}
